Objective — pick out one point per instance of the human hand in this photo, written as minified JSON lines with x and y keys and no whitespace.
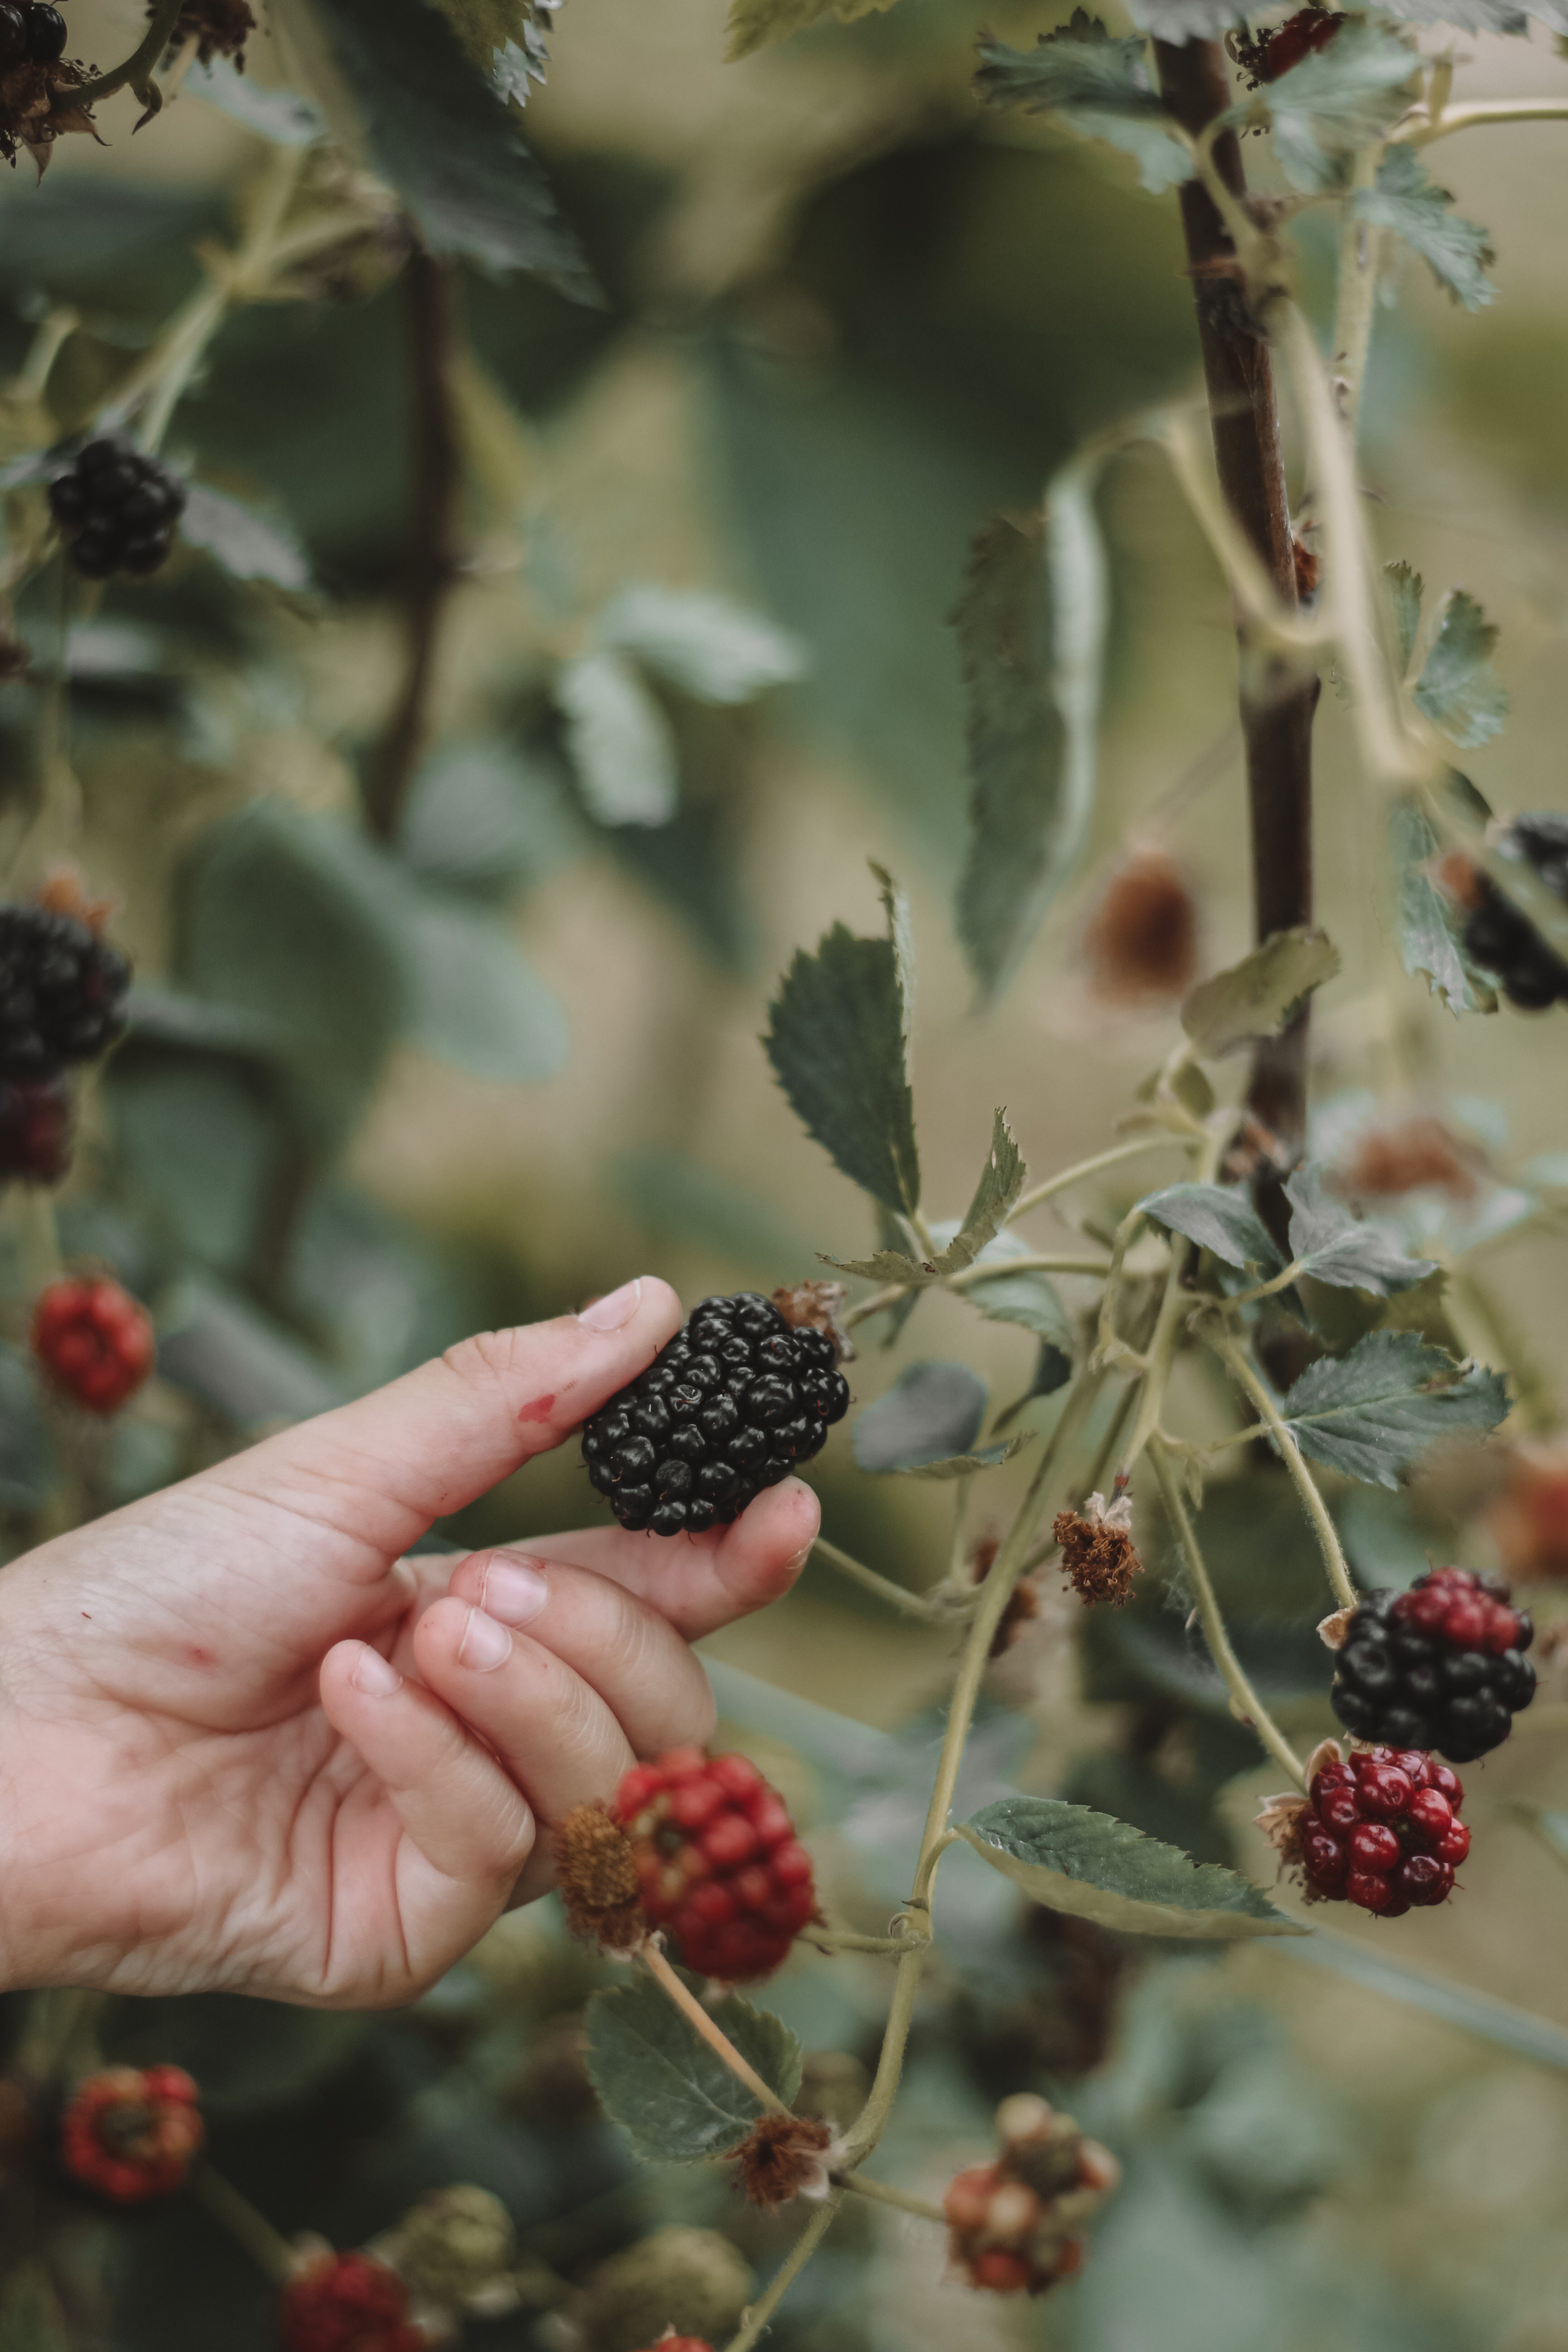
{"x":247,"y":1744}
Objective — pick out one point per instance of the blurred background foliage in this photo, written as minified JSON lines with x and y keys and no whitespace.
{"x":378,"y":1095}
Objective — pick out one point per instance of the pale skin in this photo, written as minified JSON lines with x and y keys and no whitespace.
{"x":248,"y":1745}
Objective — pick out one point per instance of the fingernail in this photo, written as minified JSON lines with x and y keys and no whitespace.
{"x":610,"y":1314}
{"x":371,"y":1674}
{"x":514,"y":1591}
{"x":485,"y":1644}
{"x":800,"y":1558}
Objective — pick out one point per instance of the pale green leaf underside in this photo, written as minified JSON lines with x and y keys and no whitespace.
{"x":1458,"y":690}
{"x":930,"y":1416}
{"x":1336,"y":100}
{"x":963,"y":1466}
{"x":673,"y":2097}
{"x":1219,"y":1217}
{"x":1252,"y":998}
{"x":1093,"y":85}
{"x":1428,"y":933}
{"x":1094,"y":1867}
{"x":1407,"y":199}
{"x":1334,"y":1247}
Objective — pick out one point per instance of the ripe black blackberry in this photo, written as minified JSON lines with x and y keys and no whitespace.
{"x":1504,"y":941}
{"x":118,"y":508}
{"x":735,"y":1402}
{"x":1442,"y":1665}
{"x":62,"y":993}
{"x":46,"y":33}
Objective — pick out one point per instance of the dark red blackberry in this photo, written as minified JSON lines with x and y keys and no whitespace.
{"x":35,"y":1133}
{"x":118,"y":508}
{"x":1442,"y":1665}
{"x":62,"y":993}
{"x":1501,"y":940}
{"x":729,"y":1407}
{"x":46,"y":34}
{"x":1382,"y":1830}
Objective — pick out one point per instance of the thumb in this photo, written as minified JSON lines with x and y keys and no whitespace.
{"x":383,"y":1468}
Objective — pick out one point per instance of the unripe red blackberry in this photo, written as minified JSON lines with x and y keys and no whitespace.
{"x":94,"y":1342}
{"x":1014,"y":2227}
{"x":347,"y":2302}
{"x":62,"y":993}
{"x":733,"y":1403}
{"x":1296,"y":37}
{"x":118,"y":508}
{"x":130,"y":2134}
{"x":681,"y":2343}
{"x":1442,"y":1665}
{"x":1382,"y":1830}
{"x":719,"y":1862}
{"x":35,"y":1133}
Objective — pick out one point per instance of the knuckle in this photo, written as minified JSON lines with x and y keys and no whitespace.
{"x":484,"y":1357}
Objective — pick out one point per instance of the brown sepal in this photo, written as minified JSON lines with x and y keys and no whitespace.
{"x":1100,"y":1559}
{"x":597,"y":1873}
{"x":817,"y":1306}
{"x":782,"y":2157}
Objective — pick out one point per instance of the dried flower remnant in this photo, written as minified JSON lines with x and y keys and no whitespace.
{"x":782,"y":2157}
{"x":1099,"y":1556}
{"x":1411,"y":1155}
{"x":1141,"y":942}
{"x":817,"y":1306}
{"x":596,"y":1873}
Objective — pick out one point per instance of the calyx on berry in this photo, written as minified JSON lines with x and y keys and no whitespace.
{"x":735,"y":1402}
{"x":718,"y":1861}
{"x":93,"y":1341}
{"x":1441,"y":1665}
{"x":132,"y":2133}
{"x":1015,"y":2226}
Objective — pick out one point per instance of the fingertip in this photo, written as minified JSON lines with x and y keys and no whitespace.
{"x":770,"y":1543}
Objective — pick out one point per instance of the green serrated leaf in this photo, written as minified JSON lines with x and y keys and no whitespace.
{"x":1458,"y":690}
{"x":669,"y":2090}
{"x":1030,"y":1299}
{"x":885,"y":1265}
{"x":838,"y":1041}
{"x":931,"y":1415}
{"x":1031,"y":629}
{"x":1002,"y":1180}
{"x":1095,"y":1867}
{"x":439,"y":132}
{"x":1220,"y":1218}
{"x":1253,"y":998}
{"x":1406,"y":590}
{"x":505,"y":38}
{"x":754,"y":23}
{"x":249,"y":545}
{"x":1430,"y":937}
{"x":708,"y":646}
{"x":618,"y":739}
{"x":1093,"y":85}
{"x":1333,"y":1245}
{"x":1373,"y":1413}
{"x":1405,"y":198}
{"x":1336,"y":100}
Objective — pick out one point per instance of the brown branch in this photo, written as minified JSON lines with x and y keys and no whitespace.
{"x":430,"y":298}
{"x":1278,"y":696}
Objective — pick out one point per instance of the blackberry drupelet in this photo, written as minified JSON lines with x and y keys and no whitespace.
{"x":46,"y":33}
{"x":62,"y":993}
{"x":1381,"y":1829}
{"x":1441,"y":1666}
{"x":735,"y":1402}
{"x":1504,"y":941}
{"x":13,"y":34}
{"x":118,"y":508}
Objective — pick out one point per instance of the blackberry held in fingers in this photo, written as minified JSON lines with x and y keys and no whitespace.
{"x":733,"y":1403}
{"x":117,"y":509}
{"x":1442,"y":1665}
{"x":62,"y":993}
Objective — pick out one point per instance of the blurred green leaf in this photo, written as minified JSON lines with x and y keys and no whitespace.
{"x":1481,"y":15}
{"x":1333,"y":1245}
{"x":1134,"y":1789}
{"x":1094,"y":1867}
{"x":236,"y":1360}
{"x":1406,"y":590}
{"x":671,"y":2094}
{"x":682,"y":1201}
{"x":386,"y":1298}
{"x":1093,"y":85}
{"x":1373,"y":1413}
{"x":1405,"y":198}
{"x":197,"y":1144}
{"x":474,"y":1000}
{"x":1030,"y":1299}
{"x":31,"y":2319}
{"x":440,"y":136}
{"x":280,"y":115}
{"x":249,"y":545}
{"x":621,"y":748}
{"x":838,"y":1041}
{"x":931,"y":1413}
{"x":1430,"y":940}
{"x":1220,"y":1218}
{"x":485,"y":816}
{"x":1031,"y":628}
{"x":1458,"y":690}
{"x":249,"y":2055}
{"x":1252,"y":998}
{"x":26,"y":1449}
{"x":290,"y":917}
{"x":1337,"y":99}
{"x":707,"y":645}
{"x":753,"y":22}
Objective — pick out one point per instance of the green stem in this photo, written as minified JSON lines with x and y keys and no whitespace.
{"x":913,"y":1604}
{"x":137,"y":69}
{"x":1417,"y":133}
{"x":1235,"y":1360}
{"x":1175,"y":1307}
{"x":879,"y":2190}
{"x":845,"y":1939}
{"x":266,"y":2246}
{"x":1247,"y":1702}
{"x":1292,"y":1273}
{"x":967,"y":1278}
{"x":1096,"y":1167}
{"x":755,"y":2322}
{"x":1361,"y":256}
{"x":696,"y":2016}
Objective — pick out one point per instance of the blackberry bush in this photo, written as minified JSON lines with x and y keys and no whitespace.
{"x":118,"y":508}
{"x":1441,"y":1665}
{"x":62,"y":993}
{"x":734,"y":1402}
